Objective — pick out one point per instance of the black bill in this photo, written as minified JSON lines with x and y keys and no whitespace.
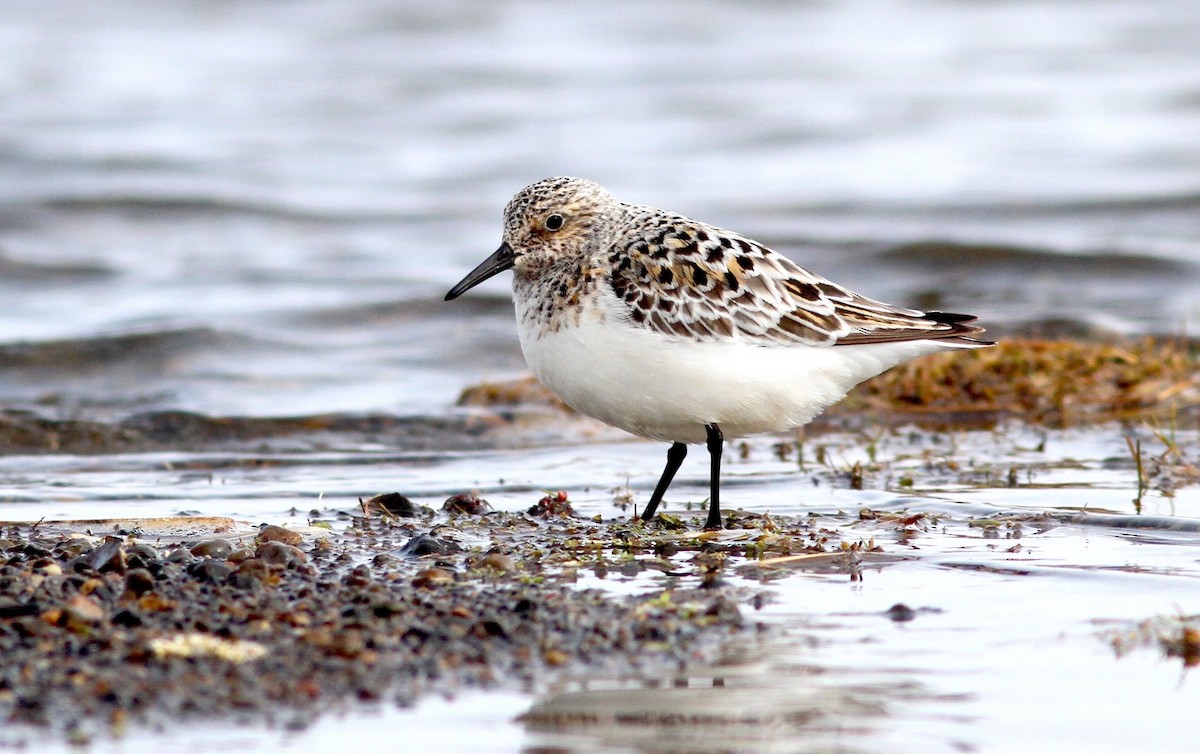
{"x":495,"y":264}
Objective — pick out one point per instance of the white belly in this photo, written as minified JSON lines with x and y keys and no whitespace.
{"x":668,"y":389}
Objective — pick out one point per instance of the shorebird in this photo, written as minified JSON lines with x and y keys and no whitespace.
{"x":675,"y":330}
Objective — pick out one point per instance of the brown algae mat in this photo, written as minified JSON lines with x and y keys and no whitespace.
{"x":1055,"y":383}
{"x":1049,"y":382}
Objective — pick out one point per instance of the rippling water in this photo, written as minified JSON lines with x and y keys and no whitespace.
{"x":255,"y":207}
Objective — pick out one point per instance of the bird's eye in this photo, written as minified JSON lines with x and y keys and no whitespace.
{"x":554,"y":222}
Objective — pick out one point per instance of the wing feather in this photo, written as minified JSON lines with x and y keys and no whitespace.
{"x":686,"y":279}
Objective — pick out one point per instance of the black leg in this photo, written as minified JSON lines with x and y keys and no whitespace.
{"x":675,"y":457}
{"x":715,"y":442}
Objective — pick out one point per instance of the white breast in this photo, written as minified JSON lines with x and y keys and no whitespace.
{"x":668,"y":388}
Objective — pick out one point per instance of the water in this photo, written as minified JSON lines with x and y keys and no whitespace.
{"x":254,"y":209}
{"x":1010,"y":647}
{"x":282,"y":192}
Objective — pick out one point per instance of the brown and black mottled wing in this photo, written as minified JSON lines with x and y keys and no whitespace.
{"x":683,"y":278}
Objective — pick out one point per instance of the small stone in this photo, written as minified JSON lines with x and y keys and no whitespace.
{"x":142,"y":556}
{"x":126,"y":618}
{"x":94,"y":585}
{"x":213,"y":548}
{"x":555,"y":657}
{"x":48,"y":568}
{"x":272,"y":533}
{"x":250,"y":575}
{"x":280,"y":554}
{"x":423,"y":544}
{"x":80,"y":613}
{"x":489,"y":629}
{"x":382,"y":559}
{"x":210,"y":571}
{"x":255,"y":568}
{"x":432,"y":578}
{"x":240,"y":555}
{"x":359,"y":577}
{"x":108,"y":557}
{"x":152,"y":603}
{"x":388,"y":609}
{"x":138,"y":581}
{"x":499,"y":562}
{"x":179,"y":555}
{"x":31,"y":551}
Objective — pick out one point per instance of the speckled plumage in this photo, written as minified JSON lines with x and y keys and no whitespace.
{"x":684,"y":278}
{"x":680,"y":331}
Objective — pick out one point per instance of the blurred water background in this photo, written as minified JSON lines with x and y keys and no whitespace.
{"x":254,"y":208}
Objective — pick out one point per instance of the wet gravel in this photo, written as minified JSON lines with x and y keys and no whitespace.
{"x":98,"y":632}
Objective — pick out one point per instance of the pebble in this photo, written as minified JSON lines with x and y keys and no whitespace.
{"x":79,"y":612}
{"x":109,"y":556}
{"x":210,"y":571}
{"x":272,"y":533}
{"x":213,"y":548}
{"x":423,"y":544}
{"x":355,"y":619}
{"x":499,"y":562}
{"x":138,"y":581}
{"x":280,"y":554}
{"x":432,"y":578}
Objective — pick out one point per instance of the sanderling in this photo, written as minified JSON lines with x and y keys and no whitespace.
{"x":674,"y":330}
